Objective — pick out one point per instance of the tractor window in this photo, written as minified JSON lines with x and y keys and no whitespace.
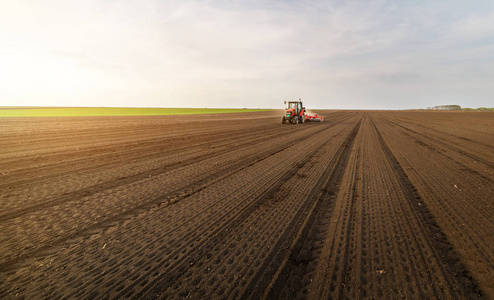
{"x":292,"y":105}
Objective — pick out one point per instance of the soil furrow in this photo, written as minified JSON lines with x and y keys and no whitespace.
{"x":209,"y":239}
{"x":428,"y":129}
{"x":120,"y":181}
{"x":377,"y":204}
{"x":453,"y":269}
{"x":457,"y":199}
{"x":195,"y":233}
{"x":291,"y":265}
{"x":177,"y":194}
{"x":125,"y":152}
{"x":193,"y":188}
{"x":429,"y":137}
{"x":262,"y":229}
{"x":178,"y":269}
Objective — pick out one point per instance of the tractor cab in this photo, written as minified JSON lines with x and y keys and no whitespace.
{"x":294,"y":105}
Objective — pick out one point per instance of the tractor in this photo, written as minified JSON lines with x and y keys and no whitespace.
{"x":295,"y":113}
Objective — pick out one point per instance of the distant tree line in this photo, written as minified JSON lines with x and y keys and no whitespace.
{"x":445,"y":107}
{"x":459,"y":108}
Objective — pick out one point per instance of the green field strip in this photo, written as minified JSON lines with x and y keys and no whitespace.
{"x":114,"y":111}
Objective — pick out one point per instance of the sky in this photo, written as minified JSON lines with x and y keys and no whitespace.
{"x":338,"y":54}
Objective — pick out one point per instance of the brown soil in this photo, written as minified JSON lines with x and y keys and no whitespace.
{"x":363,"y":205}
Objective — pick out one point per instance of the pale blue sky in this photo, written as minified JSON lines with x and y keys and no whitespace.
{"x":332,"y":54}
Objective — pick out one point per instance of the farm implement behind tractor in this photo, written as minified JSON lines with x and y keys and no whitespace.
{"x":296,"y":113}
{"x":314,"y":118}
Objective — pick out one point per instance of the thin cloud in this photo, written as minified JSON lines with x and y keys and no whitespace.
{"x":334,"y":54}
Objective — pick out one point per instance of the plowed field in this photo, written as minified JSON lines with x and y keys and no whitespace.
{"x":363,"y":205}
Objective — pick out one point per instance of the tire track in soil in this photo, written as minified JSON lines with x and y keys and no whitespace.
{"x":452,"y":160}
{"x":138,"y":209}
{"x":465,"y":216}
{"x":176,"y":270}
{"x":350,"y":230}
{"x":376,"y":247}
{"x":457,"y":275}
{"x":206,"y":228}
{"x":287,"y":273}
{"x":174,"y":196}
{"x":54,"y":170}
{"x":237,"y":255}
{"x":204,"y":249}
{"x":170,"y":246}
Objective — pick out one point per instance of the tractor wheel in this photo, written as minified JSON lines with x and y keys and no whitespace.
{"x":302,"y":119}
{"x":295,"y":120}
{"x":282,"y":120}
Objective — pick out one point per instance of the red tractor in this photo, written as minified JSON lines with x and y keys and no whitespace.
{"x":295,"y":113}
